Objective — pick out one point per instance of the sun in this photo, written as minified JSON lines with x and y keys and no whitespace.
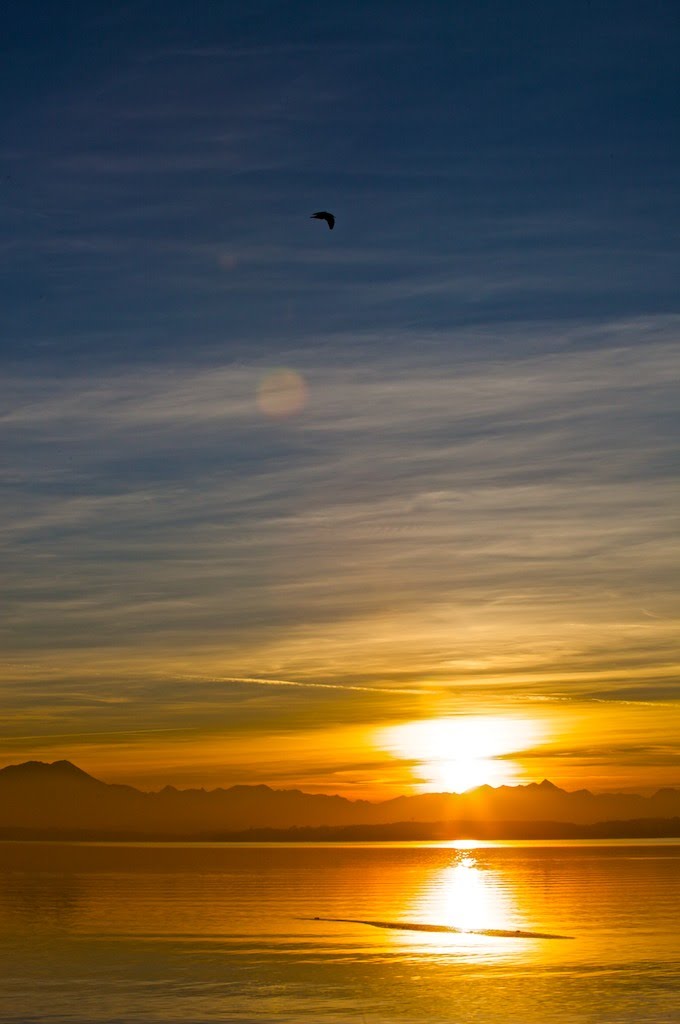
{"x":459,"y":753}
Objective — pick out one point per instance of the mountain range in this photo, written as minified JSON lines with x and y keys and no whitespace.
{"x":37,"y":798}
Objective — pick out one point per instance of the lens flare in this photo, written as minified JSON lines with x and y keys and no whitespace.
{"x":227,"y":261}
{"x":282,"y":393}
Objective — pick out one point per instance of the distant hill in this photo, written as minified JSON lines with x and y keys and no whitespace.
{"x":38,"y":798}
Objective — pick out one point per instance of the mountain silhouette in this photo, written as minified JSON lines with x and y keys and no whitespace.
{"x":61,"y":797}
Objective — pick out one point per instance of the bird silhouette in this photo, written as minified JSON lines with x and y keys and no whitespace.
{"x":324,"y":215}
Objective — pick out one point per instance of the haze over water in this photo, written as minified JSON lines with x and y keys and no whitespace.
{"x":192,"y":933}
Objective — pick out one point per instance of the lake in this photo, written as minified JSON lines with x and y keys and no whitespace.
{"x":200,"y":932}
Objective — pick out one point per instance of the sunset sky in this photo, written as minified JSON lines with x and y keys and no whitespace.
{"x":376,"y":510}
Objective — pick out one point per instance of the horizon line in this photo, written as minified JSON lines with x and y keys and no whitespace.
{"x":545,"y":782}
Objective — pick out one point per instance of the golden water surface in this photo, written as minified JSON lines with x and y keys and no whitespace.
{"x":192,"y":933}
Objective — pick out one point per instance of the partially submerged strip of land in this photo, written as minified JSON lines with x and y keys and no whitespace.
{"x":416,"y":926}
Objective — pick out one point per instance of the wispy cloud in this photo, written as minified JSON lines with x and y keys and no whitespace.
{"x":474,"y":504}
{"x":488,"y":514}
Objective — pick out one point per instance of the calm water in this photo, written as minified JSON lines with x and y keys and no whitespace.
{"x":136,"y":933}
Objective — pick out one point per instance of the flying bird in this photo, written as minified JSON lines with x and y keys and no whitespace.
{"x":324,"y":215}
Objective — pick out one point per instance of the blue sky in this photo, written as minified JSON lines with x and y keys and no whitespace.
{"x":470,"y":506}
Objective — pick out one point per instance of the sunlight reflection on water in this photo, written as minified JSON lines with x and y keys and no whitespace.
{"x":462,"y":895}
{"x":140,"y":933}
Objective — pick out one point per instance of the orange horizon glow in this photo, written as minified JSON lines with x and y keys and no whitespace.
{"x":367,"y":737}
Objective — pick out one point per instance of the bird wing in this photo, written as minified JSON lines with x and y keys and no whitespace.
{"x":325,"y":215}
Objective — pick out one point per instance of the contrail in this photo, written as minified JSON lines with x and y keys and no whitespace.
{"x":338,"y":687}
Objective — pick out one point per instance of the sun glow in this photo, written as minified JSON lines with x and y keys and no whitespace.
{"x":456,"y":754}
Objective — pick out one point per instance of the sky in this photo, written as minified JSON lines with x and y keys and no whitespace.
{"x":369,"y":511}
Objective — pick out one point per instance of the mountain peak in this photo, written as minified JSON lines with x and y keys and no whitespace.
{"x":67,"y":767}
{"x":45,"y":769}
